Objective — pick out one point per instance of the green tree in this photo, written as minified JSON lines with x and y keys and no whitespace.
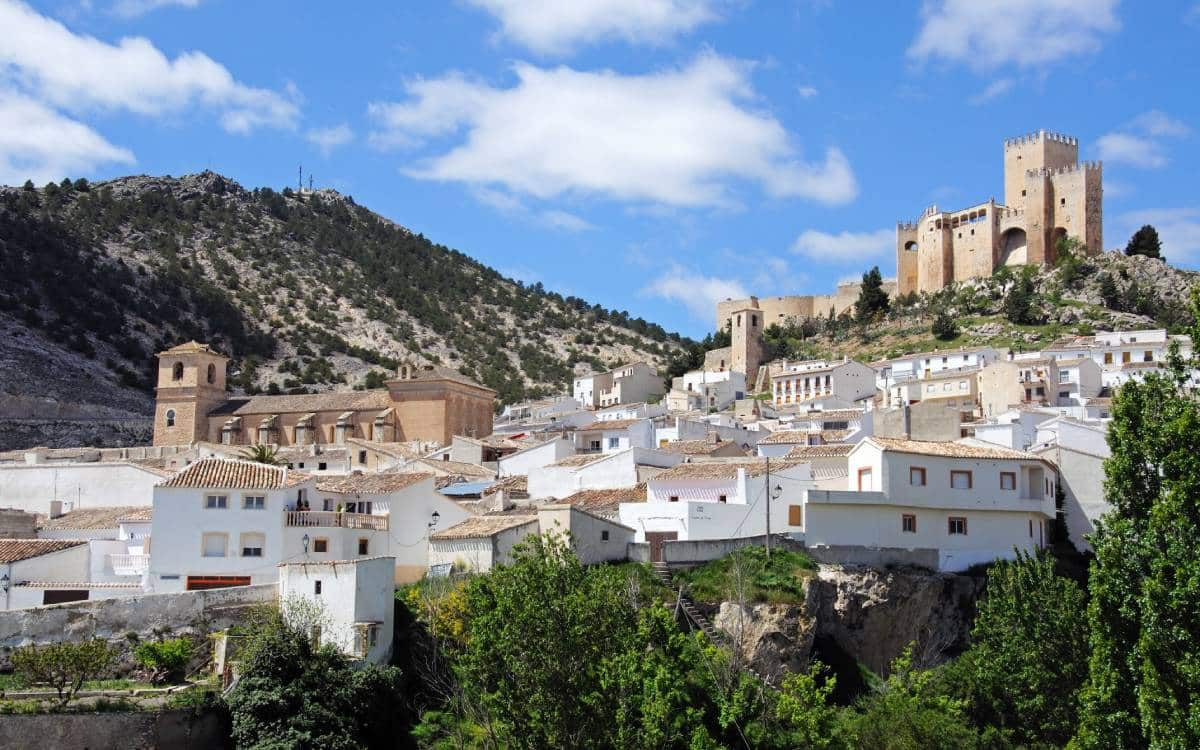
{"x":908,"y":712}
{"x":1110,"y":295}
{"x":1144,"y":612}
{"x":1029,"y":618}
{"x":944,"y":326}
{"x":1145,"y":242}
{"x":261,"y":453}
{"x":167,"y":660}
{"x":64,"y":666}
{"x":295,"y":694}
{"x":1020,"y":304}
{"x":872,"y":299}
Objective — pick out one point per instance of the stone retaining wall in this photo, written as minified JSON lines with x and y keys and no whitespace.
{"x":180,"y":729}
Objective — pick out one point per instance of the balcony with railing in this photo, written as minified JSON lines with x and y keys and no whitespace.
{"x":129,"y":565}
{"x":335,"y":519}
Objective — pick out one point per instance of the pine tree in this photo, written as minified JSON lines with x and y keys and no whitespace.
{"x":944,"y":326}
{"x":872,"y":300}
{"x":1145,"y":242}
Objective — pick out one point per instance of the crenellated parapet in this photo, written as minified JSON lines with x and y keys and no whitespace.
{"x":1040,"y":135}
{"x":1083,"y":166}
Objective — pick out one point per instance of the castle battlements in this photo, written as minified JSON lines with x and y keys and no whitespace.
{"x":1034,"y":137}
{"x":1083,"y":166}
{"x":906,"y":226}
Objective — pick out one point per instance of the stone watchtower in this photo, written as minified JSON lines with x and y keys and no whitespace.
{"x":746,"y":348}
{"x":191,"y":383}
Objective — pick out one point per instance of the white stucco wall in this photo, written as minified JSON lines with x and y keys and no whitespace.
{"x":359,"y":591}
{"x":70,"y":564}
{"x":522,"y":462}
{"x":84,"y":485}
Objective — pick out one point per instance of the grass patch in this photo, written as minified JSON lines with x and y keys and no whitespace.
{"x":779,"y":581}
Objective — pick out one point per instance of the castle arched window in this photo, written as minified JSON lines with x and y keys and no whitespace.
{"x":753,"y":321}
{"x":177,"y":371}
{"x":212,"y":373}
{"x":170,"y":415}
{"x":910,"y":246}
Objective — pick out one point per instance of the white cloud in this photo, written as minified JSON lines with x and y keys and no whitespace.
{"x":986,"y":34}
{"x":134,"y":8}
{"x":39,"y":144}
{"x":81,"y":73}
{"x":1139,"y":143}
{"x":807,"y":92}
{"x":557,"y":27}
{"x":845,"y":247}
{"x":1178,"y":228}
{"x":677,"y":137}
{"x":1123,"y":148}
{"x":1159,"y":123}
{"x":327,"y":139}
{"x":568,"y":222}
{"x":995,"y":89}
{"x":698,"y":293}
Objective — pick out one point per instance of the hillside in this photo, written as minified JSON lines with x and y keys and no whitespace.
{"x":306,"y":291}
{"x":1108,"y":292}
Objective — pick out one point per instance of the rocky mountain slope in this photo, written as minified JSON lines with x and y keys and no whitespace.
{"x":1111,"y":291}
{"x":306,"y":291}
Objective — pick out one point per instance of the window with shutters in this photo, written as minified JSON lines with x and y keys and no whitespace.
{"x":908,"y":523}
{"x":961,"y":480}
{"x":214,"y":544}
{"x":795,"y":515}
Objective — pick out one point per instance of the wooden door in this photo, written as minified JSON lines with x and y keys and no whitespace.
{"x":656,"y":539}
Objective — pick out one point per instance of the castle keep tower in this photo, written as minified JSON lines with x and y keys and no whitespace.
{"x":191,"y":383}
{"x":1048,"y":195}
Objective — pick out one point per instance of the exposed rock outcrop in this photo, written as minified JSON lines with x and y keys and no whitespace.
{"x":870,"y":614}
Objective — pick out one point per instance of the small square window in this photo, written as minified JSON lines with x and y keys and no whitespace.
{"x":960,"y":480}
{"x":321,"y":466}
{"x":364,"y":546}
{"x":320,"y":545}
{"x":957,"y":525}
{"x":604,"y":536}
{"x":317,"y":588}
{"x":1008,"y":480}
{"x":908,"y":523}
{"x":916,"y":476}
{"x":673,"y":499}
{"x":362,"y":457}
{"x":254,"y":502}
{"x":216,"y":502}
{"x":722,"y":498}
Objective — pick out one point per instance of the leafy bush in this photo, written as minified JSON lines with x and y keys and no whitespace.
{"x":944,"y":327}
{"x":167,"y":660}
{"x":63,"y":666}
{"x":747,"y":573}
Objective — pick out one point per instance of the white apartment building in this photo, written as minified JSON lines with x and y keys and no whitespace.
{"x":36,"y":572}
{"x":1121,"y":355}
{"x":37,"y":485}
{"x":1016,"y":428}
{"x":598,"y":471}
{"x":720,"y":499}
{"x":614,"y":435}
{"x":1078,"y":381}
{"x":1005,"y":384}
{"x":703,"y":391}
{"x":960,"y":387}
{"x":629,"y":383}
{"x":639,"y":410}
{"x":969,"y":502}
{"x":801,"y":382}
{"x":355,"y":602}
{"x":931,"y":364}
{"x":1078,"y":448}
{"x":535,"y":457}
{"x":230,"y":523}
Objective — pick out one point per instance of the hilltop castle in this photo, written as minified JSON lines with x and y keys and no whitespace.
{"x":1048,"y":194}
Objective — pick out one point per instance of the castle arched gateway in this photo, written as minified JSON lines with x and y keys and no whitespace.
{"x":1048,"y":194}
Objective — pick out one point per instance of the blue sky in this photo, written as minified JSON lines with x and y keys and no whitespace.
{"x":649,"y":155}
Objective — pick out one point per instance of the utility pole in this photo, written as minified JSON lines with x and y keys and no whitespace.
{"x":300,"y":182}
{"x":767,"y":489}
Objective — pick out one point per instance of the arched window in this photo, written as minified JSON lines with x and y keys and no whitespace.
{"x":170,"y":417}
{"x":212,"y":373}
{"x":177,"y":372}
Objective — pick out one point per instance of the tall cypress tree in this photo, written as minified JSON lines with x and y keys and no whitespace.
{"x":1145,"y":242}
{"x":872,"y":300}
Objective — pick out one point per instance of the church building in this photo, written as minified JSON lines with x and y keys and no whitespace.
{"x":428,"y":403}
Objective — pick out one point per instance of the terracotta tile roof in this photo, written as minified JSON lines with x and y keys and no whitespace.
{"x":786,"y":436}
{"x":483,"y":526}
{"x":372,"y":400}
{"x":723,"y":469}
{"x":833,"y":415}
{"x":605,"y":502}
{"x":949,"y":449}
{"x":15,"y":550}
{"x":609,"y":424}
{"x":92,"y":518}
{"x":834,"y":436}
{"x":78,"y":585}
{"x":393,"y":449}
{"x":223,"y":473}
{"x":696,"y":447}
{"x":439,"y":372}
{"x":138,"y":514}
{"x":379,"y":483}
{"x":192,"y":347}
{"x":511,"y":485}
{"x":820,"y":451}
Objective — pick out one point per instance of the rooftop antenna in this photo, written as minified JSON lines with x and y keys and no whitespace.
{"x":310,"y":182}
{"x":300,"y":182}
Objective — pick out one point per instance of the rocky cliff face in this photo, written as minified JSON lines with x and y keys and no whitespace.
{"x":871,"y":615}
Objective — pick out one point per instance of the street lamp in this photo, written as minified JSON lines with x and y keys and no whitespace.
{"x":433,"y":519}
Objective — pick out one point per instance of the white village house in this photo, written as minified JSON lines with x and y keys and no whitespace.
{"x":964,"y":503}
